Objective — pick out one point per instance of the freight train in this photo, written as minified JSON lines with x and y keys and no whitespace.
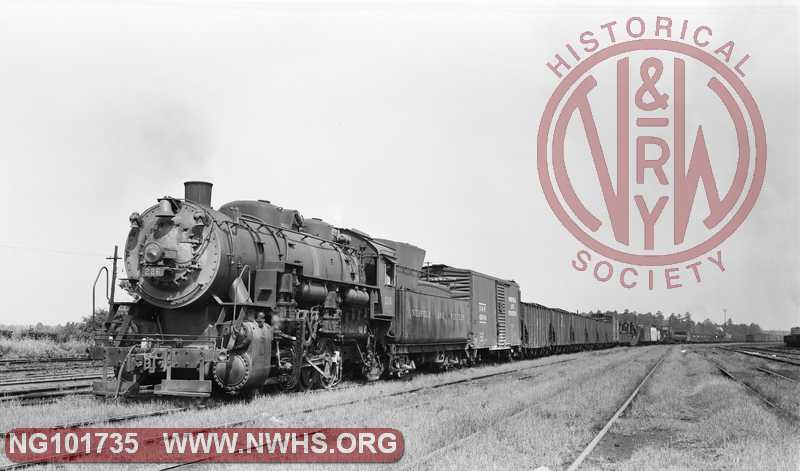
{"x":252,"y":294}
{"x":793,"y":339}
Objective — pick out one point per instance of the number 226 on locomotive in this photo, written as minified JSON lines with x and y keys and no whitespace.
{"x":248,"y":295}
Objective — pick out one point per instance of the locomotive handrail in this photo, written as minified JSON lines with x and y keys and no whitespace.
{"x":164,"y":337}
{"x":280,"y":229}
{"x":238,"y":319}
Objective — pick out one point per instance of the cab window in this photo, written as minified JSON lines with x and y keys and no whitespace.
{"x":388,"y":272}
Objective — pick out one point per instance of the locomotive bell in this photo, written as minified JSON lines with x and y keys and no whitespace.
{"x":164,"y":209}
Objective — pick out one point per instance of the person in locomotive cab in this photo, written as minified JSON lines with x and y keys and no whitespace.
{"x":389,"y":273}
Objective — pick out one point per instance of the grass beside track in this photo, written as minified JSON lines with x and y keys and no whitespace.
{"x":544,"y":416}
{"x":690,"y":417}
{"x":411,"y":413}
{"x":687,"y":417}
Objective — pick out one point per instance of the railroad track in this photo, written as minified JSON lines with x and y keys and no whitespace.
{"x":777,"y":351}
{"x":136,"y":416}
{"x":789,"y":415}
{"x":115,"y":419}
{"x":46,"y":369}
{"x":7,"y":378}
{"x":42,"y":368}
{"x":21,"y":361}
{"x":788,"y":359}
{"x":48,"y":379}
{"x":776,"y":374}
{"x":391,"y":395}
{"x":622,"y":408}
{"x":45,"y":388}
{"x":310,"y":410}
{"x":425,"y":459}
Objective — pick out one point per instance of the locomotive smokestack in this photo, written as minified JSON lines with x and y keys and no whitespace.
{"x":198,"y":192}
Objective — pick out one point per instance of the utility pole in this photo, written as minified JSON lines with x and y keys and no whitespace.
{"x":114,"y":259}
{"x":724,"y":320}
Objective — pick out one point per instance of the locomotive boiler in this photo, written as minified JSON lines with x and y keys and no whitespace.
{"x":242,"y":296}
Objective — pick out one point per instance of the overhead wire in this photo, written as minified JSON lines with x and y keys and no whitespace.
{"x":48,"y":250}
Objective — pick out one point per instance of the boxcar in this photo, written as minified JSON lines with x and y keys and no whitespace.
{"x":648,"y":334}
{"x":494,"y":305}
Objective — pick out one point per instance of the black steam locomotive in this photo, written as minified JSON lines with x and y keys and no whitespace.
{"x":252,"y":294}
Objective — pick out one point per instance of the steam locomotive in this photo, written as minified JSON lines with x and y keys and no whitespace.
{"x":252,"y":294}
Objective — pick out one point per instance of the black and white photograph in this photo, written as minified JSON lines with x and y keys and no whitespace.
{"x":400,"y":234}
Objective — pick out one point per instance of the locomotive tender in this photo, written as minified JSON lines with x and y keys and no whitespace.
{"x":252,"y":294}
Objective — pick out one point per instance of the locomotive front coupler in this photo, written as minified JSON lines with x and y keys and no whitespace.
{"x":148,"y":363}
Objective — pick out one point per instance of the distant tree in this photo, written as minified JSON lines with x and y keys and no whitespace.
{"x":753,"y":328}
{"x":673,"y":321}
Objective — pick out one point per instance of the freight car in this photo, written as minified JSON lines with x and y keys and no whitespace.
{"x":762,"y":338}
{"x":648,"y":334}
{"x":551,"y":330}
{"x":793,"y":339}
{"x":682,"y":336}
{"x":252,"y":294}
{"x":628,"y":328}
{"x":494,"y":329}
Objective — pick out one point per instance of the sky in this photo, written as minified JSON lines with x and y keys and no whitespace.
{"x":409,"y":121}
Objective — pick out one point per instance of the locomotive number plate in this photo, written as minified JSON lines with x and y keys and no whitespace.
{"x":153,"y":272}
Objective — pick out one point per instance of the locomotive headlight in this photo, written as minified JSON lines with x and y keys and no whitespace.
{"x":153,"y":252}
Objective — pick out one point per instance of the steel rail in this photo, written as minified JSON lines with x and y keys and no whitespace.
{"x":775,"y":373}
{"x":763,"y":356}
{"x":596,"y":440}
{"x":49,"y":379}
{"x":792,"y":416}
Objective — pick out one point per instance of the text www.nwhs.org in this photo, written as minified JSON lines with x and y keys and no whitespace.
{"x":278,"y":443}
{"x":367,"y":445}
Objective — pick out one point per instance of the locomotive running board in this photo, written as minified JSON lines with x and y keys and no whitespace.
{"x":183,"y":388}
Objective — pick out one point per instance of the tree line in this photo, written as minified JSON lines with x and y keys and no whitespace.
{"x":684,"y":322}
{"x":79,"y":331}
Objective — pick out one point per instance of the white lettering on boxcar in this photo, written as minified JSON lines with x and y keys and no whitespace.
{"x":420,"y":313}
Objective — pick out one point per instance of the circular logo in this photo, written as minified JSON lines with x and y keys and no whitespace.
{"x":651,"y":152}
